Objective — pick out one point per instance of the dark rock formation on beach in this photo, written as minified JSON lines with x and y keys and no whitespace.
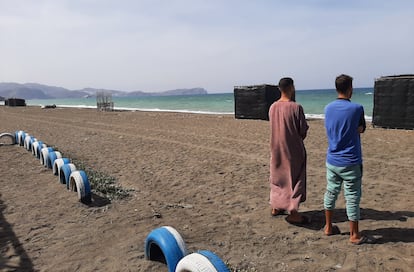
{"x":40,"y":91}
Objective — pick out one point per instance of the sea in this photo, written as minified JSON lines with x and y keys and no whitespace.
{"x":313,"y":102}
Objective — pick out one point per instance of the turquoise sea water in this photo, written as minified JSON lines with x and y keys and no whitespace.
{"x":313,"y":102}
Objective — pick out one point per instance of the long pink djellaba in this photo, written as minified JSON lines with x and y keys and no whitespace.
{"x":288,"y":155}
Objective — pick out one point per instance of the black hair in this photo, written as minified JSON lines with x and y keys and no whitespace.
{"x":343,"y":83}
{"x":285,"y":83}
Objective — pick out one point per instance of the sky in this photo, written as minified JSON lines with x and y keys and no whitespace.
{"x":158,"y":45}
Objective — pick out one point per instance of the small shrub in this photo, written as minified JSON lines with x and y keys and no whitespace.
{"x":102,"y":183}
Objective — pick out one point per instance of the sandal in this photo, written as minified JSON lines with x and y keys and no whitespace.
{"x":335,"y":231}
{"x":365,"y":240}
{"x":276,"y":212}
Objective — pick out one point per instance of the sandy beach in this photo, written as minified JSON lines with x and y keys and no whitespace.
{"x":205,"y":175}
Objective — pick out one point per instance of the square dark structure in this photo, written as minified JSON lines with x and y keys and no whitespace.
{"x":394,"y":102}
{"x":15,"y":102}
{"x":253,"y":102}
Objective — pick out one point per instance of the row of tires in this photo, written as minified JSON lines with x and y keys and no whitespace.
{"x":166,"y":245}
{"x":74,"y":179}
{"x":163,"y":244}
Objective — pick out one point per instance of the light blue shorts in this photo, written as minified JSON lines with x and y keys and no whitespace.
{"x":351,"y":177}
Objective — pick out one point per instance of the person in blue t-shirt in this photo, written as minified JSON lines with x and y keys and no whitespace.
{"x":344,"y":121}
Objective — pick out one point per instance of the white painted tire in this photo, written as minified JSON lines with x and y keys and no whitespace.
{"x":39,"y":146}
{"x":64,"y":173}
{"x":26,"y":142}
{"x":57,"y":164}
{"x":18,"y":136}
{"x":8,"y":135}
{"x":195,"y":263}
{"x":79,"y":183}
{"x":201,"y":261}
{"x":44,"y":153}
{"x":51,"y":157}
{"x":34,"y":147}
{"x":165,"y":245}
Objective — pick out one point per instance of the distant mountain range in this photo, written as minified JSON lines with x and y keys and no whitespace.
{"x":40,"y":91}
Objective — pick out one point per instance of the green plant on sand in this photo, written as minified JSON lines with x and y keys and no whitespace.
{"x":102,"y":183}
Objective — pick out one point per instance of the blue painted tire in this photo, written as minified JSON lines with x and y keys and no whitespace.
{"x":16,"y":136}
{"x":39,"y":148}
{"x":165,"y":245}
{"x":52,"y":156}
{"x":215,"y":260}
{"x":20,"y":137}
{"x":9,"y":135}
{"x":65,"y":172}
{"x":58,"y":164}
{"x":79,"y":183}
{"x":44,"y":154}
{"x":201,"y":261}
{"x":32,"y":140}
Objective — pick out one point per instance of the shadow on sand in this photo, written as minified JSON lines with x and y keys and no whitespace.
{"x":98,"y":201}
{"x":13,"y":257}
{"x":385,"y":235}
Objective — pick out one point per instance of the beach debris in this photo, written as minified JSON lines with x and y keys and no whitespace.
{"x":156,"y":214}
{"x":245,"y":268}
{"x":178,"y":205}
{"x":53,"y":106}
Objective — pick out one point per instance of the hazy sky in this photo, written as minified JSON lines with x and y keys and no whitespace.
{"x":155,"y":45}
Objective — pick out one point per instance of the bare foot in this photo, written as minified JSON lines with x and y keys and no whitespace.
{"x":362,"y":240}
{"x":276,"y":212}
{"x":331,"y":230}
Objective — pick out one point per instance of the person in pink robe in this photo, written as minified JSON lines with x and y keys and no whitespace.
{"x":287,"y":154}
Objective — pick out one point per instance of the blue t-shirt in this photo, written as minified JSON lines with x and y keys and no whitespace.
{"x":342,"y":119}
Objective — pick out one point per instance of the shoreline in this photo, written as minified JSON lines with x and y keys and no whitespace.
{"x":120,"y":109}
